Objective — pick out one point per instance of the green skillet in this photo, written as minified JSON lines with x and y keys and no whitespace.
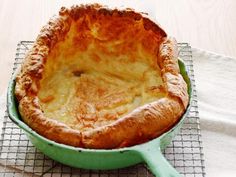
{"x":149,"y":152}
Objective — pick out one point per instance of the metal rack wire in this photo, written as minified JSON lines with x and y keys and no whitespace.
{"x":18,"y":157}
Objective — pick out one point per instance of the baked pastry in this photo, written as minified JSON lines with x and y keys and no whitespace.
{"x":101,"y":78}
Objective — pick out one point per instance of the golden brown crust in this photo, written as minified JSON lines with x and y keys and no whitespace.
{"x":142,"y":124}
{"x":168,"y":61}
{"x":33,"y":116}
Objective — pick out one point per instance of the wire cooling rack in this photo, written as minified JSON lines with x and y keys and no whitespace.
{"x":18,"y":157}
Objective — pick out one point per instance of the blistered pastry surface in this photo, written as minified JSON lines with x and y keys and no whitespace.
{"x":100,"y":78}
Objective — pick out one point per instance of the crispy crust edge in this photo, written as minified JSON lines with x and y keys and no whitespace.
{"x":164,"y":112}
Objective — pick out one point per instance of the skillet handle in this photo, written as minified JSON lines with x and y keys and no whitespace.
{"x":157,"y":163}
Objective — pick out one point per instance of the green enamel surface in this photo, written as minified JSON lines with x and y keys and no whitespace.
{"x":149,"y":152}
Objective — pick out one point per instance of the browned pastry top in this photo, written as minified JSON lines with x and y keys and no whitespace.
{"x":101,"y":78}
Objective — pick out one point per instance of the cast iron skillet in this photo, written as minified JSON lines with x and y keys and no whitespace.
{"x":149,"y":152}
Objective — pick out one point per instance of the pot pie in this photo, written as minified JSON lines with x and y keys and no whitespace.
{"x":101,"y":78}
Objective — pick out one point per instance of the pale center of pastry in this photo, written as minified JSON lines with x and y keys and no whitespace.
{"x":89,"y":82}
